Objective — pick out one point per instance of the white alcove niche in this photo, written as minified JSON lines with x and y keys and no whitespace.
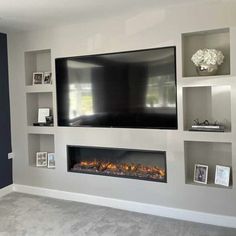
{"x":207,"y":153}
{"x":212,"y":103}
{"x":213,"y":39}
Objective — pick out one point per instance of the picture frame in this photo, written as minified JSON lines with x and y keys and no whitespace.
{"x":51,"y":160}
{"x":38,"y":78}
{"x":41,"y":159}
{"x":200,"y":174}
{"x":42,"y":114}
{"x":222,"y":175}
{"x":49,"y":120}
{"x":47,"y":78}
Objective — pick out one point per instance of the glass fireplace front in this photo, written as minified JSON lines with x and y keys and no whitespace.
{"x":118,"y":162}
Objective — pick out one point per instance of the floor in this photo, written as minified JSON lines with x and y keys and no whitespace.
{"x":22,"y":214}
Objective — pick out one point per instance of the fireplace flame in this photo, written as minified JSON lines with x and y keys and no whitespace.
{"x":121,"y":169}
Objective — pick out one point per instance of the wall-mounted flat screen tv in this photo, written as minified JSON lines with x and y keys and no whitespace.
{"x":134,"y":89}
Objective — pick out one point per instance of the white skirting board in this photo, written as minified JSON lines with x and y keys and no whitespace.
{"x":4,"y":191}
{"x":181,"y":214}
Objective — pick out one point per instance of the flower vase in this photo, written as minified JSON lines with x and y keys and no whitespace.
{"x":207,"y":70}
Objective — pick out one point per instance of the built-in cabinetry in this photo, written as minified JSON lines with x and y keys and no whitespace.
{"x":207,"y":98}
{"x":40,"y":138}
{"x":201,"y":98}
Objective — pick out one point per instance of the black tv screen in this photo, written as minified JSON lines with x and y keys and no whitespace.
{"x":135,"y":89}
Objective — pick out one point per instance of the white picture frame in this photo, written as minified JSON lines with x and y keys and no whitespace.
{"x":41,"y":159}
{"x":42,"y":114}
{"x":222,"y":175}
{"x":51,"y":160}
{"x":47,"y":78}
{"x":38,"y":78}
{"x":200,"y":174}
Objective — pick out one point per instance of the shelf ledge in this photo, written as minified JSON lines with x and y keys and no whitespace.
{"x":40,"y":88}
{"x":42,"y":167}
{"x":212,"y":185}
{"x":206,"y":81}
{"x":41,"y":129}
{"x":225,"y":137}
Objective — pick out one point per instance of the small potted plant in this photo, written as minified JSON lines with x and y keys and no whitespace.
{"x":207,"y":61}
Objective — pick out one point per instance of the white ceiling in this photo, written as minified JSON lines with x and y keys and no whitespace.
{"x":36,"y":14}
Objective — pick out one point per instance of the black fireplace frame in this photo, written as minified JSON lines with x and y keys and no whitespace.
{"x":69,"y":163}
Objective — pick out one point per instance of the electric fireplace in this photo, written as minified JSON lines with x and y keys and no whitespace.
{"x":118,"y":162}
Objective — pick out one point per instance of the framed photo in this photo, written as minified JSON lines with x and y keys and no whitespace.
{"x":42,"y":114}
{"x":41,"y":159}
{"x":49,"y":120}
{"x":47,"y":79}
{"x":51,"y":160}
{"x":222,"y":175}
{"x":38,"y":78}
{"x":200,"y":174}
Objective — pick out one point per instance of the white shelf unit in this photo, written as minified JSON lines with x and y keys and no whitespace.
{"x":40,"y":138}
{"x":39,"y":143}
{"x":207,"y":153}
{"x":213,"y":39}
{"x":207,"y":98}
{"x":212,"y":103}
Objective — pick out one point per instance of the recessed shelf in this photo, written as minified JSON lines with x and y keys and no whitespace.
{"x":40,"y":138}
{"x":212,"y":103}
{"x":36,"y":101}
{"x":214,"y":39}
{"x":206,"y":153}
{"x":36,"y":61}
{"x":39,"y":143}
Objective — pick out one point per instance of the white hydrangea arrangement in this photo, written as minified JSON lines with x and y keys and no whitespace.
{"x":208,"y":57}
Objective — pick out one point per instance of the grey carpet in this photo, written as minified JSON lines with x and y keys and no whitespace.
{"x":22,"y":214}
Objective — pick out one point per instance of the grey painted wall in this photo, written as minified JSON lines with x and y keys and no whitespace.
{"x":5,"y":132}
{"x":145,"y":29}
